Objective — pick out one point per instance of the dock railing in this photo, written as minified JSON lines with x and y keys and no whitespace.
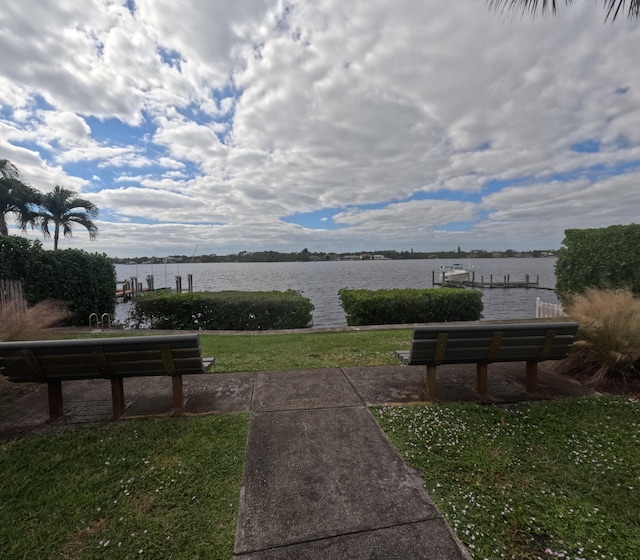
{"x":547,"y":310}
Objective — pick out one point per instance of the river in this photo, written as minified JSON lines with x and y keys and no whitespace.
{"x":321,"y":281}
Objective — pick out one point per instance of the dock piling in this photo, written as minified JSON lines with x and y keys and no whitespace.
{"x":505,"y":283}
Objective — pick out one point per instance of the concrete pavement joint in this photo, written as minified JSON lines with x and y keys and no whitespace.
{"x":353,"y":386}
{"x":338,"y":535}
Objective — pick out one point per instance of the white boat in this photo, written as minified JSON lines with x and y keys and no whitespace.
{"x":454,"y":273}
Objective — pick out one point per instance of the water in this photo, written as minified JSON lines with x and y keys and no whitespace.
{"x":321,"y":281}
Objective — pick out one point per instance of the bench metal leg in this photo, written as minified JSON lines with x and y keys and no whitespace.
{"x":430,"y":382}
{"x":532,"y":377}
{"x":178,"y":398}
{"x":117,"y":397}
{"x":54,"y":389}
{"x":481,"y":379}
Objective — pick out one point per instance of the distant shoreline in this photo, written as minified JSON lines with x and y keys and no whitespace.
{"x":272,"y":256}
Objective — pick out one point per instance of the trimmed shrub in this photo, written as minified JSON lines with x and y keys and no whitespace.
{"x":603,"y":258}
{"x":608,"y":342}
{"x":84,"y":281}
{"x":405,"y":306}
{"x":228,"y":310}
{"x":18,"y":257}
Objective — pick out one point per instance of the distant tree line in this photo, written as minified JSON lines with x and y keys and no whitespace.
{"x":57,"y":211}
{"x":309,"y":256}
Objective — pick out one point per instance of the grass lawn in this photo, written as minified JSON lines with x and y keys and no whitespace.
{"x":558,"y":479}
{"x":308,"y":350}
{"x":148,"y":488}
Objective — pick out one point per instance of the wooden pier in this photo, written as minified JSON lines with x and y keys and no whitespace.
{"x":437,"y":279}
{"x":128,"y":289}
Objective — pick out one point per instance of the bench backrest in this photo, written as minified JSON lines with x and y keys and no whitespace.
{"x":97,"y":358}
{"x":444,"y":343}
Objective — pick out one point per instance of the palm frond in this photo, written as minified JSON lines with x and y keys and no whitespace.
{"x":613,"y":7}
{"x":44,"y":221}
{"x":8,"y":170}
{"x":16,"y":198}
{"x":532,"y":6}
{"x":85,"y":222}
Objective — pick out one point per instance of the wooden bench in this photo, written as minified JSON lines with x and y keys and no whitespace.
{"x":54,"y":361}
{"x":484,"y":342}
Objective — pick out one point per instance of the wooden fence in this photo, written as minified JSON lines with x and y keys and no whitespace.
{"x":11,"y":293}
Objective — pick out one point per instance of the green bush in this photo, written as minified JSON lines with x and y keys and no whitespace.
{"x":405,"y":306}
{"x":604,"y":258}
{"x":229,"y":310}
{"x":18,"y":257}
{"x":86,"y":282}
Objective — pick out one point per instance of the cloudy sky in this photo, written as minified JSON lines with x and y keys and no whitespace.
{"x":217,"y":126}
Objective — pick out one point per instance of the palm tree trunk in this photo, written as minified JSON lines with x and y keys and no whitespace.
{"x":56,"y":236}
{"x":4,"y":230}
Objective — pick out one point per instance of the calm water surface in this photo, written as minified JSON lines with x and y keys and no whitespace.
{"x":321,"y":281}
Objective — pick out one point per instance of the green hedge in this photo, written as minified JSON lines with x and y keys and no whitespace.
{"x":87,"y":282}
{"x":389,"y":307}
{"x":18,"y":257}
{"x":229,"y":310}
{"x":604,"y":258}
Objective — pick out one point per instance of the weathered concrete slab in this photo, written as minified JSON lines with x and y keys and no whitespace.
{"x":457,"y":383}
{"x":388,"y":384}
{"x":314,"y":474}
{"x":25,"y":411}
{"x":153,"y":405}
{"x":302,"y":389}
{"x":218,"y":393}
{"x":89,"y":400}
{"x":428,"y":540}
{"x":551,"y":385}
{"x":81,"y":412}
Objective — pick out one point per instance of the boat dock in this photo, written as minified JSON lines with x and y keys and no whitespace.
{"x":437,"y":279}
{"x":128,"y":289}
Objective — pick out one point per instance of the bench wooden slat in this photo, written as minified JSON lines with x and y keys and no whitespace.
{"x":484,"y":329}
{"x":467,"y":342}
{"x":124,"y":343}
{"x":424,"y":356}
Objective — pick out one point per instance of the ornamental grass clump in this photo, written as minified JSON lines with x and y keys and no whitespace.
{"x":608,"y":342}
{"x":18,"y":322}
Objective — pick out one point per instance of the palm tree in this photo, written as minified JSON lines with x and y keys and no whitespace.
{"x":613,"y":7}
{"x":15,"y":197}
{"x":63,"y":208}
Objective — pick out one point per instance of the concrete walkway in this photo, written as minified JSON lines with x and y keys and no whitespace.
{"x":321,"y":480}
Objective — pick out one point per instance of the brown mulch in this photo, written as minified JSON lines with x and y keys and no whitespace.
{"x":623,"y":387}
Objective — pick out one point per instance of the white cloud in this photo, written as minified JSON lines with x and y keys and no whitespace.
{"x":249,"y":112}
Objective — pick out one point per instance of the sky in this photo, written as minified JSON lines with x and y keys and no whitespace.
{"x":214,"y":127}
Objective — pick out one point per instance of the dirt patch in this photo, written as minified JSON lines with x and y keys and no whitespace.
{"x":77,"y":540}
